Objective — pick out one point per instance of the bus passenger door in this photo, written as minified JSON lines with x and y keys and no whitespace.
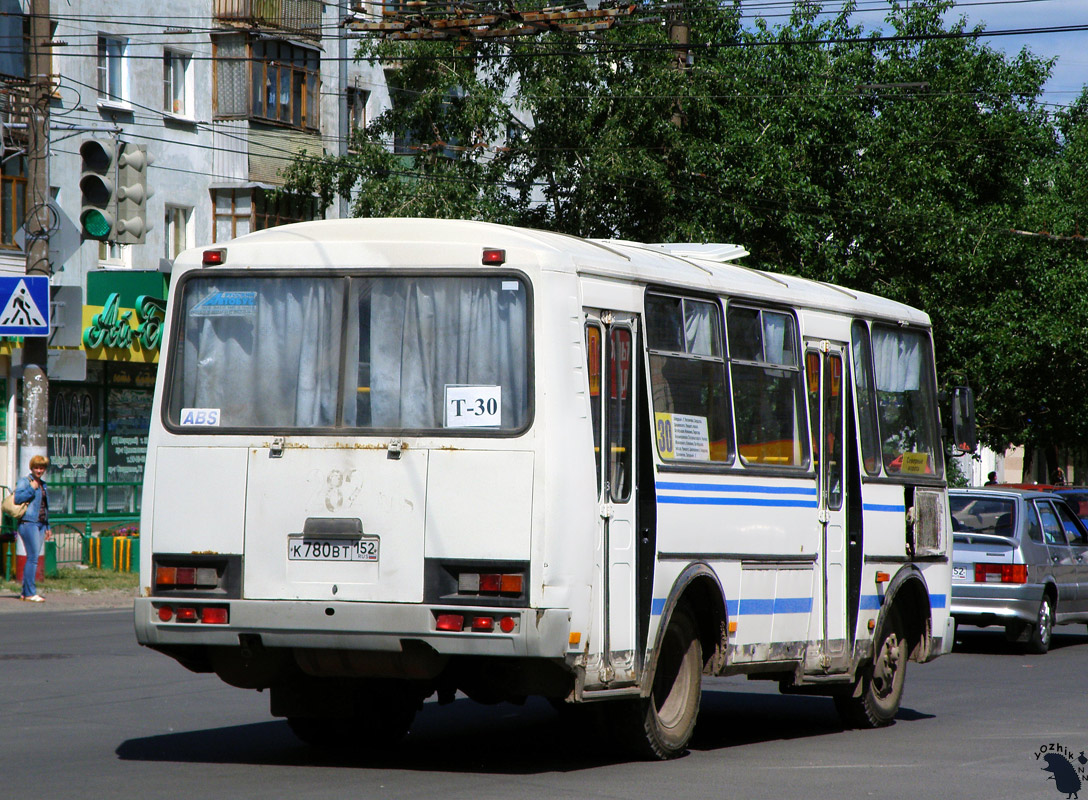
{"x":827,"y":399}
{"x":611,"y":339}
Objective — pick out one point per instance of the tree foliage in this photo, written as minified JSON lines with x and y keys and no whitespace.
{"x":899,"y":164}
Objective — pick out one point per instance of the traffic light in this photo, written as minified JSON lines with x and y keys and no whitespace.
{"x":99,"y":210}
{"x":132,"y":194}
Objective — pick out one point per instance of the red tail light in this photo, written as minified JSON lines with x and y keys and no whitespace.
{"x":507,"y":624}
{"x":450,"y":622}
{"x":1001,"y":573}
{"x":214,"y":615}
{"x":483,"y":624}
{"x":186,"y":615}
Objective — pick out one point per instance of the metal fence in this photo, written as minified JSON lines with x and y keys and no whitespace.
{"x":69,"y":530}
{"x":69,"y":541}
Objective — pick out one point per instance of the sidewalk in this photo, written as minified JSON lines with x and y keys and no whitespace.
{"x":69,"y":601}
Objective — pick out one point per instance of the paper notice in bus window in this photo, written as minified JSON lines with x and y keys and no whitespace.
{"x":682,"y":436}
{"x":473,"y":406}
{"x":199,"y":417}
{"x":510,"y":286}
{"x":915,"y":463}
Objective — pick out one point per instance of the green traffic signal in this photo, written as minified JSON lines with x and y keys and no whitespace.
{"x":95,"y":223}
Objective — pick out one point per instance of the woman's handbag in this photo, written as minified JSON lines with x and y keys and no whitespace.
{"x":13,"y":509}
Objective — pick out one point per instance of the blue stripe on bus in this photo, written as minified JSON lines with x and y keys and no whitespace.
{"x":793,"y":605}
{"x":753,"y":606}
{"x":894,"y":507}
{"x":733,"y":487}
{"x":734,"y":501}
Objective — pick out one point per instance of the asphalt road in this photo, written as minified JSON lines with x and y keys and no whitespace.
{"x":85,"y":712}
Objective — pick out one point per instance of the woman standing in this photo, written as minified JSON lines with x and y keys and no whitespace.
{"x":34,"y":526}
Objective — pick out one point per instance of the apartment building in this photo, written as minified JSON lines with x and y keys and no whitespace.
{"x":221,"y":95}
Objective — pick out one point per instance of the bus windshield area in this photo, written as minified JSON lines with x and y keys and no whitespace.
{"x":419,"y":353}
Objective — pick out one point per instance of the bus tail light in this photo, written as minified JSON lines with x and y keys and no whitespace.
{"x":206,"y":615}
{"x":214,"y":615}
{"x":483,"y":624}
{"x":491,"y":583}
{"x":450,"y":622}
{"x":190,"y":574}
{"x":1001,"y":573}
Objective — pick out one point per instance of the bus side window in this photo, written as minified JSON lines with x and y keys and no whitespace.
{"x":768,"y":387}
{"x":593,"y":364}
{"x":866,"y":396}
{"x":688,"y":379}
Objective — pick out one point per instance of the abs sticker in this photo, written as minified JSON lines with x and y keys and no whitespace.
{"x":226,"y":304}
{"x":200,"y":417}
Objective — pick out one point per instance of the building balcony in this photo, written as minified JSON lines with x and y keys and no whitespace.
{"x":299,"y":17}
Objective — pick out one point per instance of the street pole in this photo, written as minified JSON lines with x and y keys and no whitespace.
{"x":35,"y":417}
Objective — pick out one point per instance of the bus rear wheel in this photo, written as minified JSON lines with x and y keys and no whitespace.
{"x":879,"y":690}
{"x":661,"y":725}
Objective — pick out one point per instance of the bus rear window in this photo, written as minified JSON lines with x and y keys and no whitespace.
{"x":408,"y":354}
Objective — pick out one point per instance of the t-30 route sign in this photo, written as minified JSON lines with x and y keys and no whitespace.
{"x":24,"y":305}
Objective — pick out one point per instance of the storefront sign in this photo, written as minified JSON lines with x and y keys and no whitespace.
{"x":122,"y":320}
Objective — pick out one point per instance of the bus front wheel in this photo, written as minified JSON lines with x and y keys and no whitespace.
{"x":879,"y":688}
{"x":661,"y":725}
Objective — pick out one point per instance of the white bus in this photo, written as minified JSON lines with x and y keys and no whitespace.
{"x":392,"y":458}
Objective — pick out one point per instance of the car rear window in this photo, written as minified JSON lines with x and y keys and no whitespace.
{"x":982,"y":515}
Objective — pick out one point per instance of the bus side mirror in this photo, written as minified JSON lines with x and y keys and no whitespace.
{"x":964,"y":435}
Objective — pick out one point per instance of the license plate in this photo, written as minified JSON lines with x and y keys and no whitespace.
{"x":959,"y":573}
{"x":307,"y":549}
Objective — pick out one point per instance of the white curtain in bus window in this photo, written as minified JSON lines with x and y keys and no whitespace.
{"x":688,"y":379}
{"x":906,"y":401}
{"x":768,"y":392}
{"x":438,"y":339}
{"x":262,"y":352}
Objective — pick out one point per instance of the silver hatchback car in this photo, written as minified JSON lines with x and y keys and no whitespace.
{"x":1020,"y":559}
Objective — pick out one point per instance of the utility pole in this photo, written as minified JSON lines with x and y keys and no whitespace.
{"x":35,"y":417}
{"x":679,"y":32}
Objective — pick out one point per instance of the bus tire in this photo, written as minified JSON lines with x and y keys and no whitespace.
{"x":874,"y":702}
{"x":661,"y":725}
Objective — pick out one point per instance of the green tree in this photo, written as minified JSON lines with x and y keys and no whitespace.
{"x":898,"y":164}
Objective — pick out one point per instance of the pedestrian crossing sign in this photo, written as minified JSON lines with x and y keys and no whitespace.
{"x":24,"y":305}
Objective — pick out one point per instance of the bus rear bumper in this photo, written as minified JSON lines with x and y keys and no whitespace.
{"x":375,"y":627}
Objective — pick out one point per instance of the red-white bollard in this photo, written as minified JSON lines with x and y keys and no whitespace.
{"x":20,"y":560}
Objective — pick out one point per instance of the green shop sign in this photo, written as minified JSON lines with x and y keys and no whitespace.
{"x":123,"y":315}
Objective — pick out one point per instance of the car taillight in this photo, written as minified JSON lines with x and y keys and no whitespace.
{"x":1001,"y":573}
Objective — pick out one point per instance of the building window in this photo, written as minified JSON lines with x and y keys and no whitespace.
{"x":284,"y":83}
{"x":268,"y":80}
{"x":241,"y":211}
{"x":177,"y":230}
{"x":175,"y":83}
{"x":111,"y":68}
{"x":232,"y":214}
{"x":12,"y":198}
{"x":357,"y":107}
